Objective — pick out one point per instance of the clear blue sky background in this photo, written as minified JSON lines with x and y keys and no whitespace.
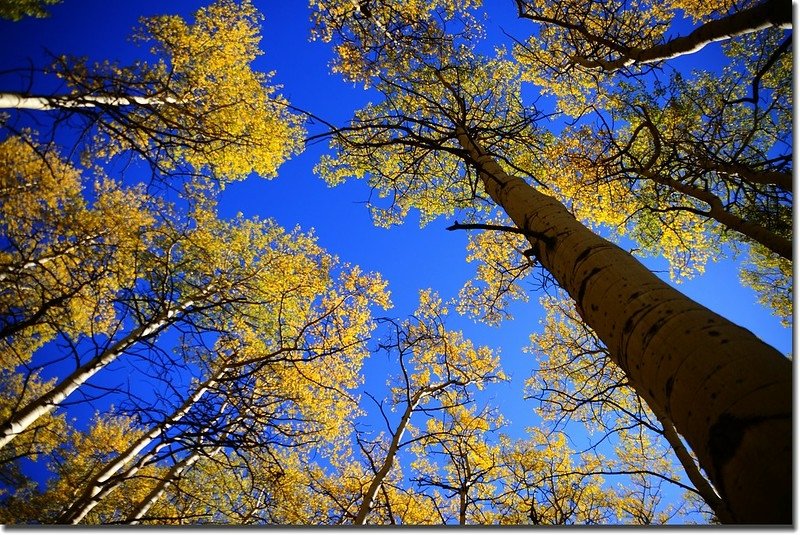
{"x":410,"y":258}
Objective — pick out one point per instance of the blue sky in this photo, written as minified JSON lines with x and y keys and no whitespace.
{"x":409,"y":257}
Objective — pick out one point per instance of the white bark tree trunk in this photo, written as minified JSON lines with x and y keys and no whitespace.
{"x":176,"y":472}
{"x":99,"y":487}
{"x":772,"y":13}
{"x":728,"y":393}
{"x":20,"y":101}
{"x":22,"y":419}
{"x":369,"y":496}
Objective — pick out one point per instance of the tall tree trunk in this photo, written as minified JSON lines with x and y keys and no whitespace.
{"x":22,"y":419}
{"x":174,"y":474}
{"x":369,"y":496}
{"x":179,"y":468}
{"x":102,"y":484}
{"x":771,"y":13}
{"x":728,"y":393}
{"x":21,"y":101}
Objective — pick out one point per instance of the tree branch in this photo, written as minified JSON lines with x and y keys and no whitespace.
{"x":548,"y":241}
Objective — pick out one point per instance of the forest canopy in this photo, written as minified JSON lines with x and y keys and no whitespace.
{"x":395,"y":262}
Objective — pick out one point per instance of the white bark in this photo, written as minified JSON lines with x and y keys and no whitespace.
{"x":20,"y":101}
{"x":175,"y":472}
{"x":727,"y":392}
{"x":99,"y":487}
{"x":770,"y":14}
{"x":46,"y":403}
{"x":10,"y":270}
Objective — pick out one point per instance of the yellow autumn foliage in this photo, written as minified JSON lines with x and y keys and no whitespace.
{"x":201,"y":103}
{"x":64,"y":259}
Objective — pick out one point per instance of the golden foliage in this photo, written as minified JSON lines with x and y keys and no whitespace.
{"x":377,"y":36}
{"x":406,"y":147}
{"x":772,"y":279}
{"x":501,"y":266}
{"x":64,"y":259}
{"x":201,"y":104}
{"x":18,"y":9}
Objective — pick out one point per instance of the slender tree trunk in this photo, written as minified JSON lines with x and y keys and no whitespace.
{"x":21,"y":101}
{"x":22,"y":419}
{"x":369,"y":496}
{"x":174,"y":474}
{"x":728,"y":393}
{"x":701,"y":484}
{"x":101,"y":485}
{"x":703,"y":487}
{"x":771,"y":13}
{"x":462,"y":506}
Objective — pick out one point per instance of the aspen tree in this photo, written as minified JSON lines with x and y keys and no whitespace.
{"x":457,"y":117}
{"x":264,"y":389}
{"x":438,"y":368}
{"x":200,"y":105}
{"x":203,"y":271}
{"x":101,"y":484}
{"x":62,"y":258}
{"x":176,"y":471}
{"x":75,"y":459}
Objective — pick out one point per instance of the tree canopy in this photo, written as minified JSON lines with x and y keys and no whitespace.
{"x":177,"y":350}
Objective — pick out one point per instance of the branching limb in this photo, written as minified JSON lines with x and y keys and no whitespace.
{"x":547,"y":240}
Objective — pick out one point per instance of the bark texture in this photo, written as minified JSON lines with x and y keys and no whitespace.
{"x":772,"y":13}
{"x":104,"y":482}
{"x":727,"y":392}
{"x":174,"y":474}
{"x":25,"y":417}
{"x":177,"y":470}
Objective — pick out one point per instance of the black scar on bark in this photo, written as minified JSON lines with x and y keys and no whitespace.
{"x":585,"y":284}
{"x":725,"y":437}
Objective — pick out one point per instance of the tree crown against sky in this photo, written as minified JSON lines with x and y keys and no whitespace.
{"x":253,"y":340}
